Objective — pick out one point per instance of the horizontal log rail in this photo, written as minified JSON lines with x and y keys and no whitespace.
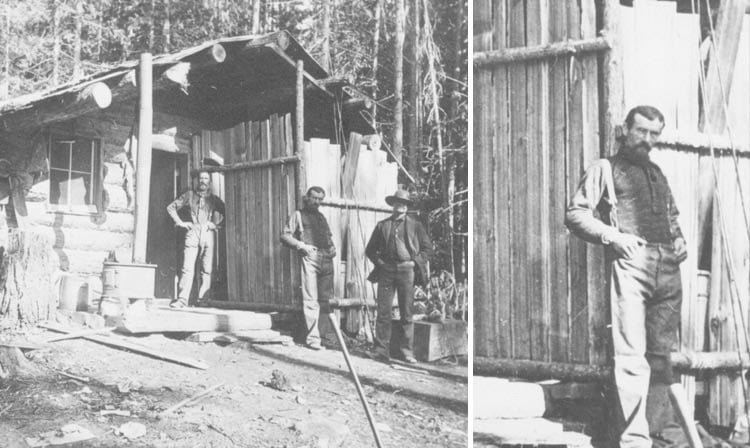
{"x":286,"y":160}
{"x":540,"y":370}
{"x":351,"y":302}
{"x":700,"y":142}
{"x":488,"y":59}
{"x":250,"y":306}
{"x":354,"y":205}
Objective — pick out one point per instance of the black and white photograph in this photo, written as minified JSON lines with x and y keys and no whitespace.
{"x":611,"y":238}
{"x":236,"y":223}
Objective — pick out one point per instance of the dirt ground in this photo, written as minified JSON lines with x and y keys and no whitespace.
{"x":319,"y":408}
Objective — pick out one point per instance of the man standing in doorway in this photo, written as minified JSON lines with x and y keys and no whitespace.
{"x":308,"y":233}
{"x":625,"y":204}
{"x":400,"y":249}
{"x":206,"y":214}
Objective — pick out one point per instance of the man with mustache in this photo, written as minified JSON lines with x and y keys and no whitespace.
{"x":309,"y":234}
{"x":206,"y":214}
{"x":625,"y":204}
{"x":400,"y":249}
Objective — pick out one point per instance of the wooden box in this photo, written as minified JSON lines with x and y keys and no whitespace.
{"x":437,"y":340}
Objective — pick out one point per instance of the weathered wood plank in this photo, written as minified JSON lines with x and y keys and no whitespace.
{"x":537,"y":183}
{"x":519,"y":155}
{"x":557,"y":191}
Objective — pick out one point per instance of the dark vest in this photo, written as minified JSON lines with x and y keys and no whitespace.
{"x":642,"y":199}
{"x":315,"y":229}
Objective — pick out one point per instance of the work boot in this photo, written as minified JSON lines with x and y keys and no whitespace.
{"x":409,"y":360}
{"x":315,"y":346}
{"x":179,"y":303}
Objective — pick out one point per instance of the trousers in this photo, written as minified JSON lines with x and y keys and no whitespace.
{"x":646,"y":295}
{"x":396,"y":279}
{"x":199,"y":242}
{"x":317,"y":291}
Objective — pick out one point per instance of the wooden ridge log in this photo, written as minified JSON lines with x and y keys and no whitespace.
{"x":280,"y":39}
{"x":351,"y":204}
{"x":539,"y":370}
{"x":85,"y":99}
{"x":493,"y":58}
{"x":357,"y":104}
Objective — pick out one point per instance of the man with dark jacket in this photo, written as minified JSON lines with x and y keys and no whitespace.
{"x":206,"y":214}
{"x":308,"y":233}
{"x":400,"y":249}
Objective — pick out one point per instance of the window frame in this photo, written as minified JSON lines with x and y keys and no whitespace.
{"x":96,"y":173}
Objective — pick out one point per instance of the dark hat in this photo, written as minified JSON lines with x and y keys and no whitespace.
{"x":401,"y":196}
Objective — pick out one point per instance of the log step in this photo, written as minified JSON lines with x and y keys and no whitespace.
{"x":526,"y":432}
{"x":189,"y":320}
{"x":252,"y":336}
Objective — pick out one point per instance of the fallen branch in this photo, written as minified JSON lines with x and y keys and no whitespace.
{"x":133,"y":347}
{"x":77,"y":378}
{"x":80,"y":334}
{"x":192,"y":399}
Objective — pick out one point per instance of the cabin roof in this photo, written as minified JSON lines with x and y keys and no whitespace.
{"x":255,"y":78}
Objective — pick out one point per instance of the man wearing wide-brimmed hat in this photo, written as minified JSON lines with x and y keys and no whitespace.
{"x":400,"y":249}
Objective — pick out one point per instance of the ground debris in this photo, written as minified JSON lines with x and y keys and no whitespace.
{"x":70,"y":433}
{"x":131,"y":430}
{"x":279,"y":381}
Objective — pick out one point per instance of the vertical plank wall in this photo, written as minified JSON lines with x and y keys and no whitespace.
{"x":258,"y":201}
{"x":536,"y":129}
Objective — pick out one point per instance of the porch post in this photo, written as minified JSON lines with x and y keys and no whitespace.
{"x":143,"y":161}
{"x":299,"y":126}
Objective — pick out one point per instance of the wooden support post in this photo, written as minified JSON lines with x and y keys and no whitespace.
{"x":143,"y":162}
{"x":299,"y":129}
{"x":613,"y":93}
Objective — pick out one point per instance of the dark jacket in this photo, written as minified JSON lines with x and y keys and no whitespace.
{"x":417,"y":242}
{"x":190,"y":199}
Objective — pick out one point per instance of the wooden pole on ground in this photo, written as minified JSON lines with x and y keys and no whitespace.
{"x":143,"y":162}
{"x":334,"y":322}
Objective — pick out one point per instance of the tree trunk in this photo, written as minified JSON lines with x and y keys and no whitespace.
{"x":55,"y":44}
{"x":151,"y":25}
{"x":325,"y":32}
{"x":398,"y":84}
{"x":77,"y":63}
{"x":167,"y":27}
{"x":376,"y":50}
{"x":26,"y":290}
{"x":14,"y":364}
{"x":256,"y":17}
{"x":5,"y":74}
{"x":413,"y":144}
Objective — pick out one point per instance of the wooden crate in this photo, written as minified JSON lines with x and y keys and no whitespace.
{"x":437,"y":340}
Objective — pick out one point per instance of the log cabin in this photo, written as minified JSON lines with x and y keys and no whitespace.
{"x":94,"y":163}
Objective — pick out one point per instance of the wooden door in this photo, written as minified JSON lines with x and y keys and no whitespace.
{"x":162,"y":247}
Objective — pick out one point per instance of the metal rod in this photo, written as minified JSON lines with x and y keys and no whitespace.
{"x":684,"y":415}
{"x":332,"y":318}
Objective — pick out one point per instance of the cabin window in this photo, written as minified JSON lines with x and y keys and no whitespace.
{"x":74,"y":174}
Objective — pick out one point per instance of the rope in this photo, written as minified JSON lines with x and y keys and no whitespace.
{"x":734,"y":289}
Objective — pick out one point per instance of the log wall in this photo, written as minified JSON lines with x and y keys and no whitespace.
{"x":82,"y":240}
